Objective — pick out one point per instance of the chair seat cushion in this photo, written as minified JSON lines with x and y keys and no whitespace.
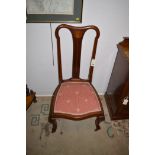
{"x":76,"y":98}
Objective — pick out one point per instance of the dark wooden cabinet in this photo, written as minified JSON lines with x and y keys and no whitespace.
{"x":30,"y":97}
{"x":117,"y":94}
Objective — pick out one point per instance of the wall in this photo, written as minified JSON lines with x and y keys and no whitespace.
{"x":112,"y":18}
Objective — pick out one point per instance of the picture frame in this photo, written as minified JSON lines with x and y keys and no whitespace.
{"x":55,"y":11}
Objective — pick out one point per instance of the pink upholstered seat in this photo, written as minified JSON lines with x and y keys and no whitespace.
{"x":76,"y":98}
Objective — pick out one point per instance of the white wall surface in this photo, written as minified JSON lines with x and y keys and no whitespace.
{"x":112,"y":18}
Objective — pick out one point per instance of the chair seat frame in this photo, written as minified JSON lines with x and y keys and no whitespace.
{"x":77,"y":35}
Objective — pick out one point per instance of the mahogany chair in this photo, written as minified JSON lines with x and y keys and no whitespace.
{"x":76,"y":98}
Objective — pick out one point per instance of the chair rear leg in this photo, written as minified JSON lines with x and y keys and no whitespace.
{"x":98,"y":121}
{"x":54,"y":123}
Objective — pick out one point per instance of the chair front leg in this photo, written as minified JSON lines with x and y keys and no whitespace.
{"x":98,"y":121}
{"x":54,"y":123}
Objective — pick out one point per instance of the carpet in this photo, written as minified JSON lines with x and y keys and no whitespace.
{"x":74,"y":137}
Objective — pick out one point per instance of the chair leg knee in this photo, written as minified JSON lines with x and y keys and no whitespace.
{"x":98,"y":121}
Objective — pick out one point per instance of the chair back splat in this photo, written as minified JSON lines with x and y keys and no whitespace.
{"x":77,"y":35}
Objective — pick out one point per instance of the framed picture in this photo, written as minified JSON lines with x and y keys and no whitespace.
{"x":54,"y":11}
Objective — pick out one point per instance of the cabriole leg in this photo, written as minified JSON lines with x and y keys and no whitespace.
{"x":98,"y":121}
{"x":54,"y":123}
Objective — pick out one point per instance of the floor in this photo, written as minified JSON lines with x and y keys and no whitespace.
{"x":74,"y":137}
